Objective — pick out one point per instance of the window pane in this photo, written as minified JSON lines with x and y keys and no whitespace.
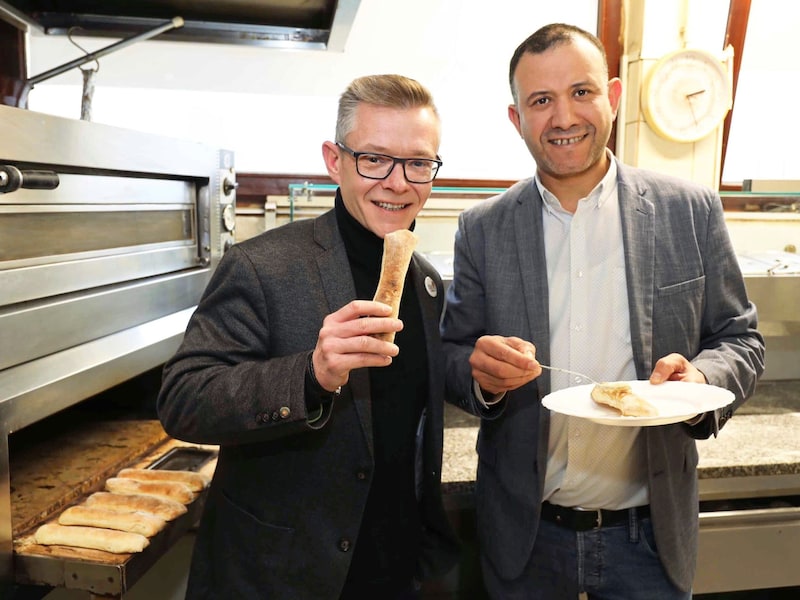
{"x":764,"y":129}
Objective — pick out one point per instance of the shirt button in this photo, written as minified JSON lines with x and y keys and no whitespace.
{"x":344,"y":545}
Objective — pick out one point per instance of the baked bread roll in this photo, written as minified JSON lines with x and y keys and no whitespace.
{"x":108,"y":540}
{"x":398,"y":247}
{"x":171,"y":490}
{"x":195,"y":481}
{"x":620,"y":396}
{"x":93,"y":516}
{"x":163,"y":508}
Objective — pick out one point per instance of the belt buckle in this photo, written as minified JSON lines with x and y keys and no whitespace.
{"x":599,"y":519}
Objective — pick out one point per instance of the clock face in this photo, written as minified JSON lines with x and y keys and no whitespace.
{"x":686,"y":95}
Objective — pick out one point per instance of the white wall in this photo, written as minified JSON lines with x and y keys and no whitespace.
{"x":274,"y":108}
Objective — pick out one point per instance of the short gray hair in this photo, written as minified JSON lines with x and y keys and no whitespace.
{"x":393,"y":91}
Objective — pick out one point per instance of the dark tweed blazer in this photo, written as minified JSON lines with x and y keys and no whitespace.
{"x":286,"y":501}
{"x":685,"y":294}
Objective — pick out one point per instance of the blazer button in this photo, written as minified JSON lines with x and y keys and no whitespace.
{"x":275,"y":416}
{"x":344,"y":545}
{"x":361,"y":475}
{"x":284,"y":412}
{"x":262,"y":418}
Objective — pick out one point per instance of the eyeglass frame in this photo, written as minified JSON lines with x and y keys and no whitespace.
{"x":394,"y":160}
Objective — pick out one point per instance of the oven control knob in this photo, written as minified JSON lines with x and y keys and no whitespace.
{"x":229,"y":217}
{"x":229,"y":185}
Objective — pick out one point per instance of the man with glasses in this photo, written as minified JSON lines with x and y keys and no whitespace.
{"x":328,"y":479}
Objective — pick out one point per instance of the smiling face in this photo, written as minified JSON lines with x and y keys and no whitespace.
{"x":564,"y":112}
{"x":385,"y":205}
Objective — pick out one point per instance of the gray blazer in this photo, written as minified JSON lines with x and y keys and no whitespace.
{"x":286,"y":501}
{"x":685,"y":294}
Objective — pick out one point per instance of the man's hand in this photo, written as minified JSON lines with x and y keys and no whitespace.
{"x":675,"y":367}
{"x":500,"y":364}
{"x":345,"y":342}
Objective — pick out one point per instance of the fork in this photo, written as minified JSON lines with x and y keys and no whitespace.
{"x":559,"y":369}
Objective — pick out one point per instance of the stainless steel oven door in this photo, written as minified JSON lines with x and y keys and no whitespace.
{"x":748,"y":549}
{"x":93,"y":231}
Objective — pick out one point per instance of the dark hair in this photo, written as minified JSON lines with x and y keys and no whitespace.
{"x":394,"y":91}
{"x":545,"y":38}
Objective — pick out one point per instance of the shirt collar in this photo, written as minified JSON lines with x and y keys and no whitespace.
{"x":596,"y":198}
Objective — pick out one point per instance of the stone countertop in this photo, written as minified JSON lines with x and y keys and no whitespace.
{"x":763,"y":438}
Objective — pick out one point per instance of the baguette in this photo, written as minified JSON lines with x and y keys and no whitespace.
{"x":195,"y":481}
{"x":142,"y":523}
{"x":620,"y":396}
{"x":163,"y":508}
{"x":171,"y":490}
{"x":108,"y":540}
{"x":398,"y":247}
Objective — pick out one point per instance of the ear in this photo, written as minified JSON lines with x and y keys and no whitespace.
{"x":614,"y":94}
{"x":513,"y":116}
{"x":333,"y":160}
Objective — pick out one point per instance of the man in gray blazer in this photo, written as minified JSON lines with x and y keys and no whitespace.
{"x":328,"y":479}
{"x":610,"y":271}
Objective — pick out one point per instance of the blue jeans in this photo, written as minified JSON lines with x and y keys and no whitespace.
{"x":611,"y":563}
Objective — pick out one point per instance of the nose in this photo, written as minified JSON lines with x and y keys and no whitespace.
{"x":396,"y":178}
{"x":563,"y":115}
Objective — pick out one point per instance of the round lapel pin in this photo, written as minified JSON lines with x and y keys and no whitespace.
{"x":430,"y":286}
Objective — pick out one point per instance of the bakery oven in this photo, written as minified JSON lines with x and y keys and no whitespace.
{"x":107,"y":239}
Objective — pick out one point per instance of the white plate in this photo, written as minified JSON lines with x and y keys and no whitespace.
{"x":675,"y":401}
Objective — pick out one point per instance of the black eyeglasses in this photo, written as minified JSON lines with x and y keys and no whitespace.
{"x":380,"y":166}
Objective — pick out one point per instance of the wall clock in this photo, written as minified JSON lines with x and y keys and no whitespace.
{"x":686,"y":95}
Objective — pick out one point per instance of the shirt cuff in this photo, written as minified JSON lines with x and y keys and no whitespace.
{"x":316,"y":396}
{"x":487,"y":403}
{"x":696,"y":420}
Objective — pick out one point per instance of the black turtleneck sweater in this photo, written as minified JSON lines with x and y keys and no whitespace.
{"x":388,"y":541}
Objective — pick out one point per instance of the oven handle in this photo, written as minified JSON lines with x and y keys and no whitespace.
{"x":756,"y":516}
{"x":12,"y":179}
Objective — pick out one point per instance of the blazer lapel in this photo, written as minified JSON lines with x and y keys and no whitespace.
{"x":337,"y":283}
{"x":529,"y":234}
{"x":638,"y":236}
{"x":430,"y":302}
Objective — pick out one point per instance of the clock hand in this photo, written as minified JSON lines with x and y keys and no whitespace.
{"x":691,"y":108}
{"x":689,"y":98}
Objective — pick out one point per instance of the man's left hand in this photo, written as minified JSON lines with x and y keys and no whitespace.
{"x":675,"y":367}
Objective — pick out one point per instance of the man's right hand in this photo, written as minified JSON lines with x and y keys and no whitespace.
{"x":345,"y":342}
{"x":500,"y":364}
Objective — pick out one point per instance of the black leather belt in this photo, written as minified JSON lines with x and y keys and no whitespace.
{"x":583,"y":520}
